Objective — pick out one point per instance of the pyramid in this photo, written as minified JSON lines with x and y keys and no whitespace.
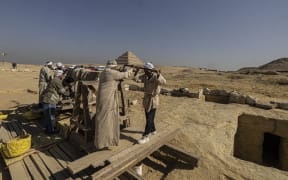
{"x":129,"y":58}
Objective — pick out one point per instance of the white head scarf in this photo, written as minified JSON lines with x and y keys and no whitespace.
{"x":49,"y":63}
{"x":111,"y":63}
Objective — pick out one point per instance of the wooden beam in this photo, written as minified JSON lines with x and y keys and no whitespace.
{"x":129,"y":157}
{"x":35,"y":173}
{"x":56,"y":170}
{"x":41,"y":166}
{"x":18,"y":171}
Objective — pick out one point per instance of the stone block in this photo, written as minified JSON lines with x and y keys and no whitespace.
{"x":235,"y":97}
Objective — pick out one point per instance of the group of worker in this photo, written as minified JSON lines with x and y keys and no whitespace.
{"x":50,"y":91}
{"x":107,"y":128}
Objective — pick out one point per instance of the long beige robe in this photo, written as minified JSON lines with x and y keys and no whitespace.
{"x":107,"y":128}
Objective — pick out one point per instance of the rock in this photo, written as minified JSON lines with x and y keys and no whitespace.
{"x":215,"y":92}
{"x":250,"y":100}
{"x":181,"y":92}
{"x":282,"y":106}
{"x":236,"y":97}
{"x":263,"y":105}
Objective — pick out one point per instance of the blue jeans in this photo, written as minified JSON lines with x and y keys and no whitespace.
{"x":150,"y":126}
{"x":49,"y":117}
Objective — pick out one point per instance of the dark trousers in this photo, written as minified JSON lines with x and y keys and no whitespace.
{"x":150,"y":126}
{"x":49,"y":111}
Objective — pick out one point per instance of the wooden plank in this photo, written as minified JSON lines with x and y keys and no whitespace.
{"x":70,"y":150}
{"x":41,"y":166}
{"x":84,"y":162}
{"x":99,"y":157}
{"x":35,"y":173}
{"x":64,"y":159}
{"x":11,"y":130}
{"x":54,"y":167}
{"x":135,"y":154}
{"x":18,"y":171}
{"x":4,"y":134}
{"x":15,"y":126}
{"x":7,"y":130}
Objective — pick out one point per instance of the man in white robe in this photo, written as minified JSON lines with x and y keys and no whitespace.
{"x":107,"y":128}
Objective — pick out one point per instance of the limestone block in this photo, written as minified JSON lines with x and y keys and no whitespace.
{"x":236,"y":97}
{"x":217,"y":98}
{"x":263,"y":105}
{"x":251,"y":123}
{"x":249,"y":146}
{"x":281,"y":128}
{"x":282,"y":106}
{"x":201,"y":96}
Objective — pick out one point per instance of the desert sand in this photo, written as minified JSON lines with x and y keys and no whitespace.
{"x":207,"y":128}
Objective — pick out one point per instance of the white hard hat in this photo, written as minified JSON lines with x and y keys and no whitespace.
{"x":148,"y":65}
{"x":49,"y":63}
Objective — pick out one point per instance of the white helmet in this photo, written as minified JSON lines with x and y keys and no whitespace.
{"x":148,"y":65}
{"x":59,"y":65}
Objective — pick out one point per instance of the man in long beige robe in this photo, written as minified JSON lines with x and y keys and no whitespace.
{"x":107,"y":128}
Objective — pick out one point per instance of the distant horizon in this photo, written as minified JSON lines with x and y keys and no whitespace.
{"x":222,"y":34}
{"x":93,"y":63}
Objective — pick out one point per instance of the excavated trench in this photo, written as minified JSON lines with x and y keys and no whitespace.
{"x":262,"y":140}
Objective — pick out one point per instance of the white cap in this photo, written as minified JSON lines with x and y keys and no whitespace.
{"x":148,"y":65}
{"x":59,"y":64}
{"x":58,"y":72}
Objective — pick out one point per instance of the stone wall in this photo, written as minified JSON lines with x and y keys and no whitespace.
{"x":249,"y":138}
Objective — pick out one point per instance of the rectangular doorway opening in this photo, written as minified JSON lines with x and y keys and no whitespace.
{"x":270,"y":154}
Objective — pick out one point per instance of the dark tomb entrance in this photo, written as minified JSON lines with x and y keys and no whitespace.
{"x":270,"y":155}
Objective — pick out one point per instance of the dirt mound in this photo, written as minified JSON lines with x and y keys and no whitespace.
{"x":271,"y":68}
{"x":280,"y":64}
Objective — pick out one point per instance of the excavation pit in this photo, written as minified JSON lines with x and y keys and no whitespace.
{"x":262,"y":140}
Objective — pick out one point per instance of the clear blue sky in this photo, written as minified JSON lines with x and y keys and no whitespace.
{"x":222,"y":34}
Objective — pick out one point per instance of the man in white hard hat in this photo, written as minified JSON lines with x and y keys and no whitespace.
{"x":152,"y":82}
{"x":44,"y":78}
{"x":107,"y":128}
